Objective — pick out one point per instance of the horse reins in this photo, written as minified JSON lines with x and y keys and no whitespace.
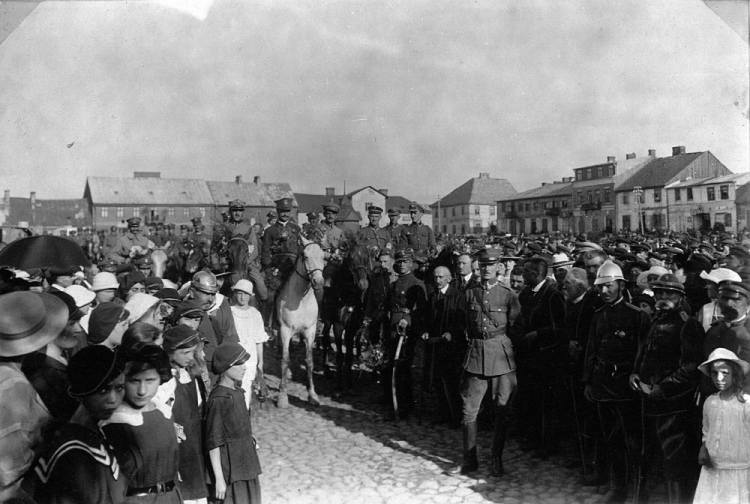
{"x":308,"y":272}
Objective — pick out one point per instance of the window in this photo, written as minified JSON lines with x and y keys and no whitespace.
{"x":135,"y":211}
{"x":492,"y":209}
{"x":711,"y":193}
{"x":580,"y":197}
{"x":453,"y":211}
{"x":476,"y":209}
{"x":677,"y":195}
{"x":657,"y":195}
{"x":454,"y":229}
{"x":689,"y":191}
{"x":590,"y":173}
{"x":724,"y":191}
{"x":445,"y":228}
{"x":463,"y":211}
{"x":170,"y":212}
{"x":607,"y":195}
{"x":728,"y":220}
{"x":597,"y":197}
{"x":600,"y":172}
{"x":626,"y":222}
{"x":536,"y":205}
{"x":104,"y":212}
{"x":589,"y":196}
{"x":565,"y":203}
{"x":527,"y":207}
{"x":578,"y":175}
{"x":120,"y":212}
{"x":625,"y":199}
{"x":186,"y":212}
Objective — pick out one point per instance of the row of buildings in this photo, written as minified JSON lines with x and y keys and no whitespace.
{"x":679,"y":192}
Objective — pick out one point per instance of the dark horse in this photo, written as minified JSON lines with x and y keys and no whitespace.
{"x":343,"y":308}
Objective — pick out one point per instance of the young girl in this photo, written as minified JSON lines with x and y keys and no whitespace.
{"x":725,"y":454}
{"x":252,"y":334}
{"x":144,"y":440}
{"x":229,"y":437}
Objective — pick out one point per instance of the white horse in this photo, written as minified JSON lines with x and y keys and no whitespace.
{"x":297,"y":313}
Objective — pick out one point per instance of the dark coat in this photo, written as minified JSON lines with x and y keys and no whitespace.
{"x":542,"y":312}
{"x":447,"y":314}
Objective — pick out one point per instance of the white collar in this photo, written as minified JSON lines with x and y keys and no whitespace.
{"x":444,"y":289}
{"x":538,"y":286}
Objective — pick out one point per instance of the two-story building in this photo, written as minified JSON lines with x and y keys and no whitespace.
{"x":542,"y":209}
{"x":644,"y":193}
{"x":703,"y":203}
{"x":471,"y":207}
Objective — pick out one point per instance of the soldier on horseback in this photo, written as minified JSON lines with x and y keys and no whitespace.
{"x":238,"y":228}
{"x":393,"y":228}
{"x":373,"y":236}
{"x":125,"y":248}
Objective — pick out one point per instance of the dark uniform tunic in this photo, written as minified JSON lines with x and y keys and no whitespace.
{"x":246,"y":231}
{"x":374,"y":238}
{"x":279,"y":252}
{"x":393,"y":232}
{"x":417,"y":237}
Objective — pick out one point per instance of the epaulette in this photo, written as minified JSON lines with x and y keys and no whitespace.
{"x":634,"y":307}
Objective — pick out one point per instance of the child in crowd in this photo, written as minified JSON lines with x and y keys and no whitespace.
{"x":229,"y":437}
{"x":725,"y":454}
{"x":250,"y":329}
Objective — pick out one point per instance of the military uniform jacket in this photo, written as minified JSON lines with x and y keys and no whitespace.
{"x":202,"y":239}
{"x":79,"y":467}
{"x":127,"y":241}
{"x":616,"y":332}
{"x":159,"y":240}
{"x":393,"y":233}
{"x":377,"y":294}
{"x":544,"y":312}
{"x":668,"y":360}
{"x":332,"y":236}
{"x":110,"y":242}
{"x":417,"y":237}
{"x":374,"y":238}
{"x":241,"y":228}
{"x":407,"y":299}
{"x":491,"y":310}
{"x":279,"y":239}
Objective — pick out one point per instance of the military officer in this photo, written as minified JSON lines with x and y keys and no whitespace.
{"x":124,"y":249}
{"x":616,"y":332}
{"x":160,"y":238}
{"x":199,"y":236}
{"x":110,"y":240}
{"x":271,"y":218}
{"x":416,"y":235}
{"x":393,"y":228}
{"x":666,"y":375}
{"x":312,"y":229}
{"x":332,"y":232}
{"x":488,"y":362}
{"x":406,"y":302}
{"x":281,"y":241}
{"x":372,"y":235}
{"x":144,"y":265}
{"x":237,"y":226}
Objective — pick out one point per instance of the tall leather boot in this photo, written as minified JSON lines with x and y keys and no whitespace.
{"x":498,"y":441}
{"x":618,"y":477}
{"x":470,"y":462}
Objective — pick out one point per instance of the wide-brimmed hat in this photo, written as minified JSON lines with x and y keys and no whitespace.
{"x":642,"y":279}
{"x":723,"y":354}
{"x":720,"y":274}
{"x":244,"y":286}
{"x":28,"y":321}
{"x":92,"y":368}
{"x":104,"y":281}
{"x":80,"y":294}
{"x":139,"y":304}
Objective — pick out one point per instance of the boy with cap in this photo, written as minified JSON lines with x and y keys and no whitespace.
{"x":79,"y":464}
{"x":107,"y":324}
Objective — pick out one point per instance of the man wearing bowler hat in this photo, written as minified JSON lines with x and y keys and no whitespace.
{"x":393,"y":228}
{"x":124,"y":249}
{"x":372,"y":235}
{"x":416,"y":235}
{"x":489,"y":361}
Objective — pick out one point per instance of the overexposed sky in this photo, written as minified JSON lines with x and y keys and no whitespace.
{"x":416,"y":96}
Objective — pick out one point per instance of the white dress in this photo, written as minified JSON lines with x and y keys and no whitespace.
{"x":726,"y":434}
{"x":251,"y":331}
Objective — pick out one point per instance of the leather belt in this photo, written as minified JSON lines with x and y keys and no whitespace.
{"x":489,"y":334}
{"x":159,"y":488}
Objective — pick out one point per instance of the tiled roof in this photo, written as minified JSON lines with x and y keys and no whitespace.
{"x":545,"y":191}
{"x":479,"y":191}
{"x":314,"y":202}
{"x":147,"y":191}
{"x":254,"y":195}
{"x":736,"y":178}
{"x":57,"y":212}
{"x":742,"y":195}
{"x":398,"y":202}
{"x":659,"y":171}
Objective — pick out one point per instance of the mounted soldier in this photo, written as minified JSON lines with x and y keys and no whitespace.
{"x":131,"y":244}
{"x":237,"y":227}
{"x":199,"y":235}
{"x":373,"y":236}
{"x":417,"y":236}
{"x":280,"y":246}
{"x":393,"y":229}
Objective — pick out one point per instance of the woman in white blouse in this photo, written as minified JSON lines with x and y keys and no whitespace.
{"x":252,"y":333}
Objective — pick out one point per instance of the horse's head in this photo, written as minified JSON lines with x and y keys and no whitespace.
{"x":313,"y":260}
{"x":360,"y":264}
{"x":159,"y":258}
{"x":195,"y":258}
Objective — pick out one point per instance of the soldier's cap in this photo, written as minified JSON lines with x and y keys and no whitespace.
{"x":227,"y":355}
{"x":404,"y":255}
{"x":489,"y":256}
{"x":671,"y":251}
{"x":236,"y":204}
{"x":416,"y":207}
{"x":272,"y":214}
{"x":134,"y":222}
{"x":392,"y":212}
{"x":187,"y":309}
{"x":284,"y":204}
{"x":184,"y":226}
{"x":180,"y":337}
{"x":718,"y":275}
{"x":723,"y":354}
{"x":374,"y":210}
{"x":196,"y":221}
{"x":169,"y":296}
{"x":107,"y":263}
{"x":144,"y":262}
{"x":332,"y":208}
{"x":640,"y":247}
{"x":739,"y":252}
{"x":312,"y":215}
{"x":668,"y":281}
{"x":729,"y":287}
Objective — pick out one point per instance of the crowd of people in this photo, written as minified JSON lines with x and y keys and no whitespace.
{"x":120,"y":386}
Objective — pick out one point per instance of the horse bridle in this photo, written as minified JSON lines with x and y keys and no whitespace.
{"x":307,"y":271}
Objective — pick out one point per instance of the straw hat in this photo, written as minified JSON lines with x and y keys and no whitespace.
{"x":28,"y":321}
{"x":723,"y":354}
{"x":243,"y":285}
{"x":81,"y":295}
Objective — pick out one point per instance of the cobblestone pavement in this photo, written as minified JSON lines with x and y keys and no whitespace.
{"x":346,"y":451}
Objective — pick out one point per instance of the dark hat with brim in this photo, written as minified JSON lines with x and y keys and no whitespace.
{"x":739,"y":251}
{"x":104,"y":317}
{"x":91,"y":368}
{"x":188,"y":309}
{"x":729,"y":286}
{"x":331,"y":208}
{"x":29,"y":321}
{"x":227,"y":355}
{"x":394,"y":212}
{"x":180,"y":337}
{"x":169,"y":296}
{"x":404,"y":255}
{"x":669,"y":282}
{"x":416,"y":207}
{"x":489,"y":256}
{"x":374,"y":210}
{"x":236,"y":204}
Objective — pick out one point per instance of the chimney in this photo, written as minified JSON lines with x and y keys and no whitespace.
{"x":544,"y":184}
{"x":6,"y":199}
{"x":630,"y":156}
{"x":652,"y":153}
{"x":256,"y":180}
{"x":384,"y":191}
{"x":238,"y":179}
{"x":32,"y":197}
{"x":680,"y":149}
{"x":483,"y":175}
{"x":330,"y":191}
{"x":610,"y":159}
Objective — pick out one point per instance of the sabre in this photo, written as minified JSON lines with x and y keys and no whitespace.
{"x":401,"y":335}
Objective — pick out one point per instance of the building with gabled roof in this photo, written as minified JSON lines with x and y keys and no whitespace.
{"x":472,"y":206}
{"x":542,"y":209}
{"x":259,"y":197}
{"x":705,"y":203}
{"x":44,"y":215}
{"x":643,"y":193}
